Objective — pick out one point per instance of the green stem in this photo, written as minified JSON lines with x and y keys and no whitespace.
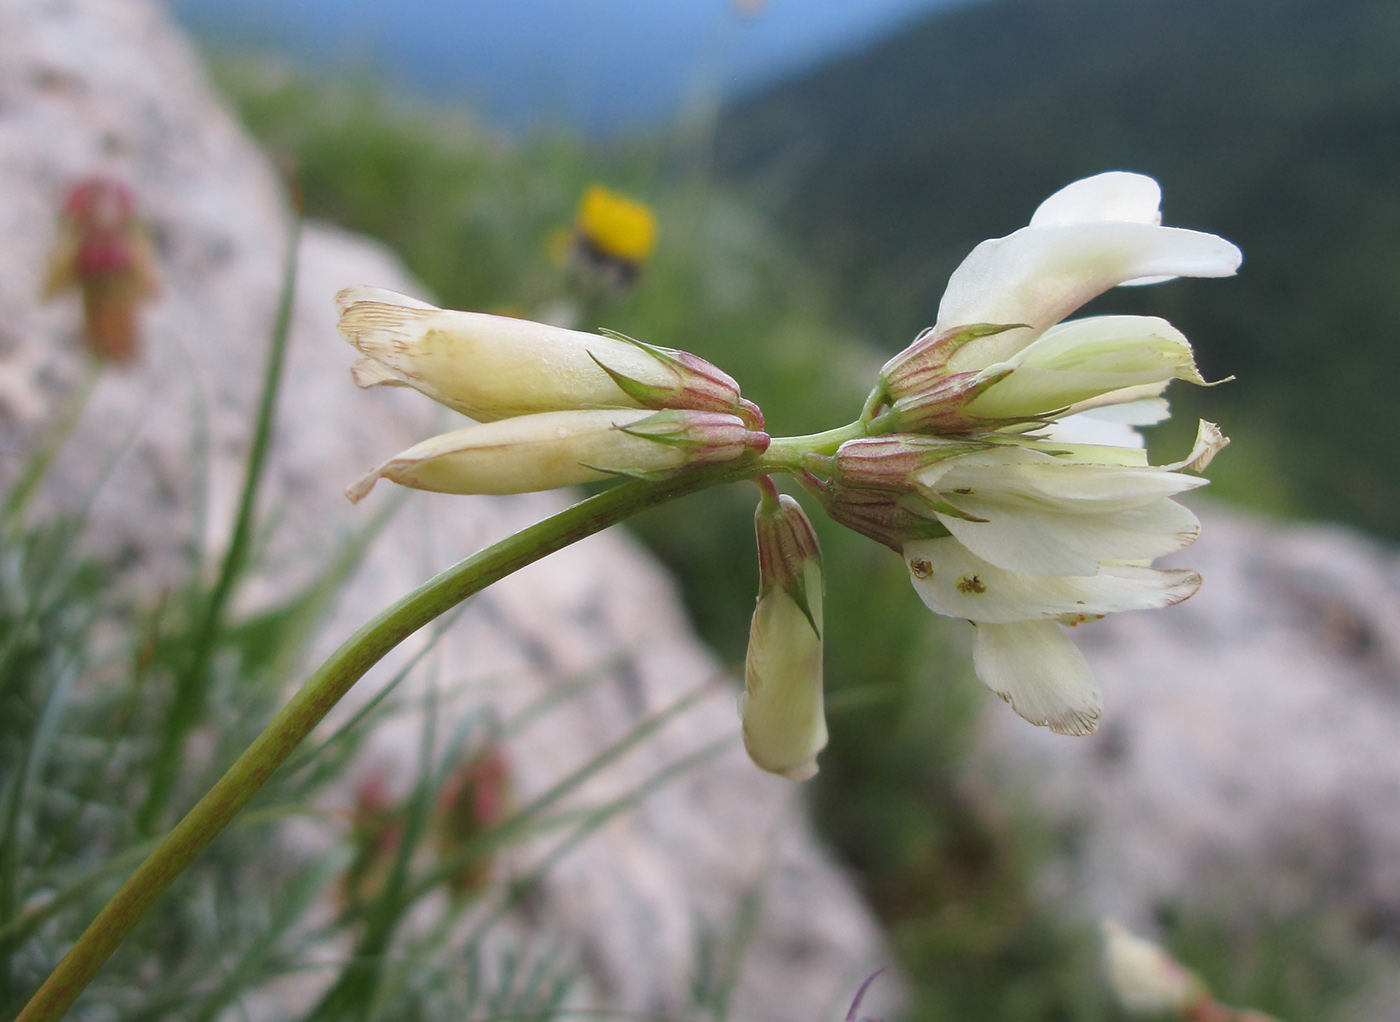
{"x":315,"y":699}
{"x":785,"y":453}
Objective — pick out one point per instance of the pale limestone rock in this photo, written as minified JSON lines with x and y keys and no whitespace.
{"x":109,"y":85}
{"x":1248,"y":764}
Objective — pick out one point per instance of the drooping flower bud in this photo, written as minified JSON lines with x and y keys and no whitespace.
{"x":104,"y":252}
{"x":553,"y":449}
{"x":496,"y":367}
{"x":781,"y":707}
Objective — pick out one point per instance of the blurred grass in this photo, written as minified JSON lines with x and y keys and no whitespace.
{"x":119,"y":709}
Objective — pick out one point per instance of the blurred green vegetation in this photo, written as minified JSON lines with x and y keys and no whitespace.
{"x":1275,"y":123}
{"x":473,"y":215}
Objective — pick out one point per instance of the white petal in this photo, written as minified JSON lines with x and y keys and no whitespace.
{"x":1055,"y":543}
{"x":1084,"y":428}
{"x":348,"y":296}
{"x":366,"y":373}
{"x":1116,"y":195}
{"x":951,"y":580}
{"x":1016,"y":477}
{"x":1210,"y":441}
{"x":1035,"y":668}
{"x":1039,"y":275}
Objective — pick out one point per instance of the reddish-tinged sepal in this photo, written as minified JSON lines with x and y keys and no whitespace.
{"x":703,"y":437}
{"x":890,"y":462}
{"x":786,"y":542}
{"x":699,"y":386}
{"x":881,"y":515}
{"x":924,"y":363}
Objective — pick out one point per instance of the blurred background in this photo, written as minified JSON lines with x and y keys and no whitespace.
{"x":816,"y":168}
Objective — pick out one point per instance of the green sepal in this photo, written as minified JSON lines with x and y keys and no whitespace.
{"x":645,"y":394}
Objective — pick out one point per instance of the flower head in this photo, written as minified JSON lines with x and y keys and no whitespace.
{"x":781,"y":706}
{"x":104,"y":252}
{"x":614,"y":237}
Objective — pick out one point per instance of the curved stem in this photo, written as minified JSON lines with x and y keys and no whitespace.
{"x":315,"y":699}
{"x":785,"y":453}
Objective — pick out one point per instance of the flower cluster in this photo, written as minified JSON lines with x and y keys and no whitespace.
{"x":996,"y":454}
{"x":1005,"y":468}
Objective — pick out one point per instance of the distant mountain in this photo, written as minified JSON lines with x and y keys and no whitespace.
{"x":596,"y":65}
{"x":1275,"y":123}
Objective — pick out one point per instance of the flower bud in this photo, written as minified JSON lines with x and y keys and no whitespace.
{"x":553,"y":449}
{"x":104,"y":252}
{"x":1145,"y":979}
{"x":889,"y":462}
{"x":922,"y":394}
{"x":495,"y":367}
{"x":781,"y":707}
{"x":893,"y":463}
{"x":1080,"y":362}
{"x":881,"y":515}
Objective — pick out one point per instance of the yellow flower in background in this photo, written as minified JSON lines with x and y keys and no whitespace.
{"x":616,"y":226}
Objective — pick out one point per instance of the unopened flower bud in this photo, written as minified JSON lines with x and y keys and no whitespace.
{"x":495,"y":367}
{"x":882,"y":515}
{"x":1080,"y":362}
{"x":891,"y":461}
{"x":474,"y":798}
{"x":104,"y":252}
{"x":1145,"y":979}
{"x":553,"y":449}
{"x":784,"y":720}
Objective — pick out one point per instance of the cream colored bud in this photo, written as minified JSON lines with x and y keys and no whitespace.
{"x":782,"y":710}
{"x":496,"y":367}
{"x":553,"y":449}
{"x":1145,"y":979}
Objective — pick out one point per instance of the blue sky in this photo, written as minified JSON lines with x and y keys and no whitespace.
{"x":595,"y":64}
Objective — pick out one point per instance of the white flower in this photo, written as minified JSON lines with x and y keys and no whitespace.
{"x":1052,"y":513}
{"x":781,"y":706}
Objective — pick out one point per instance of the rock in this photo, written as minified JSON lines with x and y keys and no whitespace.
{"x":110,"y":86}
{"x":1250,"y":748}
